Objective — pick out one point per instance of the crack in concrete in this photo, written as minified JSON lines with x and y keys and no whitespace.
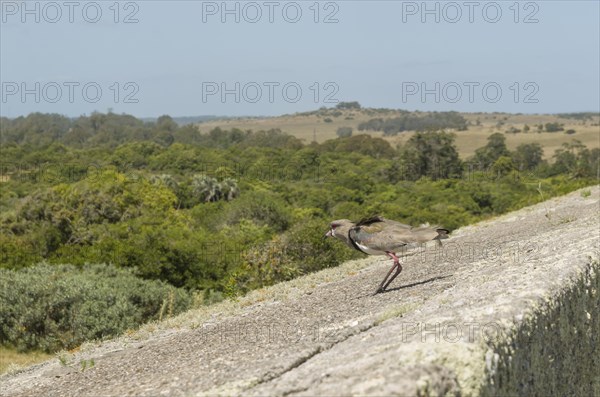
{"x":319,"y":349}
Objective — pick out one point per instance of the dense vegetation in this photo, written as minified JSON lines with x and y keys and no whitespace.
{"x":218,"y":214}
{"x":413,"y":122}
{"x":579,"y":115}
{"x":58,"y":306}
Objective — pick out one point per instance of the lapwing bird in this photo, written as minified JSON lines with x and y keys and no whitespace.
{"x":380,"y":236}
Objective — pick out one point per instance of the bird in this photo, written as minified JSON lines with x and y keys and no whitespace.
{"x":376,"y":235}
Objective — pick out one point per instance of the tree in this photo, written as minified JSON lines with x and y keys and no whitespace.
{"x":165,"y":180}
{"x":76,"y":136}
{"x":576,"y":160}
{"x":205,"y":188}
{"x":502,"y":166}
{"x":554,"y":127}
{"x":229,"y":189}
{"x":527,"y":156}
{"x":344,"y":132}
{"x":208,"y":189}
{"x":412,"y":122}
{"x":348,"y":105}
{"x":495,"y":148}
{"x":431,"y":154}
{"x":166,"y":123}
{"x":363,"y":144}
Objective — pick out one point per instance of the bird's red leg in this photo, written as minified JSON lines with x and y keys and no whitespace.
{"x":398,"y":267}
{"x":396,"y":263}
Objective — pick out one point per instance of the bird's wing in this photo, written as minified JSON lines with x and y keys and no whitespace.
{"x":379,"y":237}
{"x":382,"y":234}
{"x":409,"y":234}
{"x":369,"y":221}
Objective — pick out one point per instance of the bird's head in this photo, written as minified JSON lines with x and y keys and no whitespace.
{"x":339,"y":229}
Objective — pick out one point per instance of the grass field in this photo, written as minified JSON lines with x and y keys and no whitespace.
{"x":11,"y":358}
{"x":311,"y":127}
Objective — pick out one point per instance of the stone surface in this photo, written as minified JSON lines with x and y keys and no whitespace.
{"x":502,"y":308}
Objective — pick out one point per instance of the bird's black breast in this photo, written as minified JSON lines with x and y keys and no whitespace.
{"x":352,"y":231}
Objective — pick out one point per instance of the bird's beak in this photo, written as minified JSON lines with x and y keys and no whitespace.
{"x":328,"y":234}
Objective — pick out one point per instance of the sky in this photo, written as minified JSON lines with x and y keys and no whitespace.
{"x":245,"y":58}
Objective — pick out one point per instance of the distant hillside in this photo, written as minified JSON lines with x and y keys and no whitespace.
{"x":323,"y":124}
{"x":183,"y":120}
{"x":396,"y":126}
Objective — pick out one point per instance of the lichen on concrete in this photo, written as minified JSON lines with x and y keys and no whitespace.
{"x":555,"y":351}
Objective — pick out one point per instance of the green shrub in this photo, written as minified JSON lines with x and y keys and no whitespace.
{"x":344,"y":132}
{"x":139,"y":208}
{"x":554,"y":127}
{"x":301,"y":250}
{"x":262,"y":208}
{"x":308,"y":251}
{"x":53,"y":307}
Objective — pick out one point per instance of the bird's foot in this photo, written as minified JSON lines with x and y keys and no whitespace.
{"x":379,"y":290}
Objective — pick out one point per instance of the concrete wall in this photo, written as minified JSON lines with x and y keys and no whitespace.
{"x":556,"y":350}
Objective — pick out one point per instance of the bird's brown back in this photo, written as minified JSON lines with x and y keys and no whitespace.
{"x":387,"y":235}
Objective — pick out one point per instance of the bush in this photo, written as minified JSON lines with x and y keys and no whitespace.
{"x":344,"y":132}
{"x":553,"y":127}
{"x":262,"y":208}
{"x":306,"y":248}
{"x":348,"y":105}
{"x":300,"y":250}
{"x":53,"y":307}
{"x":363,"y":144}
{"x":410,"y":122}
